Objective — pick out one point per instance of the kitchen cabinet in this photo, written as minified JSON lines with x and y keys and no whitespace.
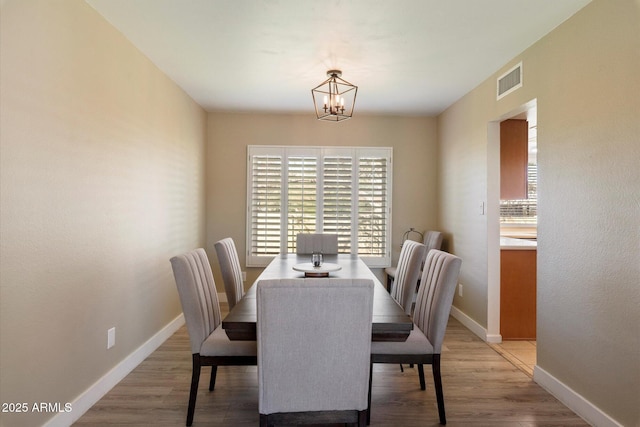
{"x":518,"y":289}
{"x":514,"y":157}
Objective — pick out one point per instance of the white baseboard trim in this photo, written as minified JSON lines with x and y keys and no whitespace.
{"x":96,"y":391}
{"x":572,"y":400}
{"x":474,"y":326}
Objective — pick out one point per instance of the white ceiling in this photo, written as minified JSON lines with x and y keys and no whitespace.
{"x":405,"y":56}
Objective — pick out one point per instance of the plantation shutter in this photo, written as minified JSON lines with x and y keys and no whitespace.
{"x":301,"y":197}
{"x":266,"y":199}
{"x":372,"y":206}
{"x":338,"y":190}
{"x":338,"y":199}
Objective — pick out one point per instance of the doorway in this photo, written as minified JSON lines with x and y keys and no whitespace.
{"x":521,"y":353}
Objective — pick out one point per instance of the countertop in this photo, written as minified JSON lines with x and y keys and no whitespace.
{"x":519,"y":232}
{"x":509,"y":243}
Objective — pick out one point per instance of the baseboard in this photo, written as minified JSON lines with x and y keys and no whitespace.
{"x":474,"y":326}
{"x":572,"y":400}
{"x":96,"y":391}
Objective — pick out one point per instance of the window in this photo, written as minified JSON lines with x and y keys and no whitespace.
{"x":344,"y":191}
{"x":522,"y":212}
{"x":525,"y":212}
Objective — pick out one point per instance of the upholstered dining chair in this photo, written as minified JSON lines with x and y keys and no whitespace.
{"x":314,"y":348}
{"x":432,"y":240}
{"x":209,"y":343}
{"x":231,"y":270}
{"x":433,"y":306}
{"x":409,"y":265}
{"x":308,"y":243}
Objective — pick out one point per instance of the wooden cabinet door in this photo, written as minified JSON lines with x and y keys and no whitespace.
{"x":514,"y":157}
{"x":518,"y":294}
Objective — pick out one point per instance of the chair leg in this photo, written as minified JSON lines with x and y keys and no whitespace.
{"x":212,"y":381}
{"x":362,"y":418}
{"x":437,"y":380}
{"x":421,"y":376}
{"x":369,"y":397}
{"x":195,"y":379}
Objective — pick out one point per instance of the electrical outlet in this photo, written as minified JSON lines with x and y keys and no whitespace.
{"x":111,"y":338}
{"x":460,"y":289}
{"x":244,"y":276}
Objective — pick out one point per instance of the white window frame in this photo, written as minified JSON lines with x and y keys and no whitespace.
{"x":356,"y":153}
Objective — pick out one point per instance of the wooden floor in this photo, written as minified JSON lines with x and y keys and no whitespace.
{"x":520,"y":353}
{"x":481,"y":388}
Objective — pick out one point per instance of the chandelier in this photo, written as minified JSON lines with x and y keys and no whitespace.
{"x":334,"y":98}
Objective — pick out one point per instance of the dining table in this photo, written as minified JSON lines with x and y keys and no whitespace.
{"x":389,"y":321}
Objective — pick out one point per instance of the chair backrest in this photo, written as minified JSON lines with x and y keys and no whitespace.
{"x":407,"y":273}
{"x":198,"y":296}
{"x":432,"y":240}
{"x":231,"y":270}
{"x":308,"y":243}
{"x":435,"y":296}
{"x":314,"y":344}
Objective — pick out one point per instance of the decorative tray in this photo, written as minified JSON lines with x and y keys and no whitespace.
{"x":310,"y":271}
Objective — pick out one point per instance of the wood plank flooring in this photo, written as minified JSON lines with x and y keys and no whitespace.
{"x":481,"y":388}
{"x":522,"y":354}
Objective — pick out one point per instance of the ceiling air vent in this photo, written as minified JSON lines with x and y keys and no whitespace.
{"x":510,"y":81}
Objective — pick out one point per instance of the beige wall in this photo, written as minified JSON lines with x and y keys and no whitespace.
{"x":414,"y":167}
{"x":102,"y":181}
{"x":584,"y":76}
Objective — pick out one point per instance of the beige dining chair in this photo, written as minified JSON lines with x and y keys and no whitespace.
{"x":231,"y":270}
{"x":433,"y":306}
{"x":209,"y":343}
{"x":308,"y":243}
{"x":409,"y":265}
{"x":432,"y":240}
{"x":314,"y":348}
